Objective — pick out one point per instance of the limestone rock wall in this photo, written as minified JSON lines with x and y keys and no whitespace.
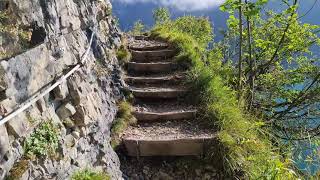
{"x":83,"y":107}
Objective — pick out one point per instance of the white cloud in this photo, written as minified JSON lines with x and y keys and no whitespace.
{"x":182,"y":5}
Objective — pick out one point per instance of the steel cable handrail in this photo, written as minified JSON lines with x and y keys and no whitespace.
{"x":23,"y":106}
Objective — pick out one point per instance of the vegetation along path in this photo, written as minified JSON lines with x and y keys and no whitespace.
{"x":167,"y":135}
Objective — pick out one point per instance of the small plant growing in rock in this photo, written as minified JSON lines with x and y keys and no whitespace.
{"x":124,"y":119}
{"x":43,"y":141}
{"x":88,"y":174}
{"x":123,"y":55}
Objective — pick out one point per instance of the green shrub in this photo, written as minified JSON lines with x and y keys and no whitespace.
{"x":43,"y":141}
{"x":123,"y":120}
{"x":90,"y":175}
{"x":161,"y":15}
{"x":248,"y":152}
{"x":138,"y":28}
{"x":123,"y":55}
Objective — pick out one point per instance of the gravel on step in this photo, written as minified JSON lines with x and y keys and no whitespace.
{"x":168,"y":168}
{"x":169,"y":130}
{"x":162,"y":107}
{"x":147,"y":44}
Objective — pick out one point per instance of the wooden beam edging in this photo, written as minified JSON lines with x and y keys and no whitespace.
{"x":35,"y":98}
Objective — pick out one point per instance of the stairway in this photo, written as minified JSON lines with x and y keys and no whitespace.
{"x":167,"y":124}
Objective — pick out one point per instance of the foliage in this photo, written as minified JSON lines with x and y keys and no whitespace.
{"x":246,"y":142}
{"x":123,"y":55}
{"x":88,"y":174}
{"x":138,"y":28}
{"x":286,"y":73}
{"x":161,"y":15}
{"x":124,"y":119}
{"x":43,"y":141}
{"x":198,"y":27}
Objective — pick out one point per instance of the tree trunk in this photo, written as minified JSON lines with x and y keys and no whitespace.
{"x":240,"y":52}
{"x":252,"y":63}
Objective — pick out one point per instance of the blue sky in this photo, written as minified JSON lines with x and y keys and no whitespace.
{"x":129,"y":11}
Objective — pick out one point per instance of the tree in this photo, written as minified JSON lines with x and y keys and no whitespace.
{"x":161,"y":15}
{"x":138,"y":28}
{"x":281,"y":76}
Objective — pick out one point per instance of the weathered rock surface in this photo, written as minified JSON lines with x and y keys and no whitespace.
{"x":83,"y":107}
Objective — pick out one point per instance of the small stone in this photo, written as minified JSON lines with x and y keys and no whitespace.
{"x":162,"y":176}
{"x":207,"y":176}
{"x":61,"y":92}
{"x":198,"y":172}
{"x":18,"y":126}
{"x":69,"y":123}
{"x":41,"y":105}
{"x":65,"y":111}
{"x":146,"y":170}
{"x":2,"y":173}
{"x":4,"y":142}
{"x":210,"y":168}
{"x":83,"y":131}
{"x":76,"y":134}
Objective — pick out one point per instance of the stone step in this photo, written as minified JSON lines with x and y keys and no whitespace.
{"x":157,"y":67}
{"x":158,"y":93}
{"x":161,"y":79}
{"x":181,"y":138}
{"x":149,"y":56}
{"x":162,"y":116}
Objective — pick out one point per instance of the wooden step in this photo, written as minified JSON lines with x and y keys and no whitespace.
{"x":171,"y":138}
{"x":156,"y":55}
{"x":149,"y":47}
{"x":158,"y":93}
{"x":174,"y":115}
{"x":158,"y":67}
{"x":167,"y":147}
{"x":165,"y":79}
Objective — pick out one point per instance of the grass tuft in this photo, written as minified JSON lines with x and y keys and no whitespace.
{"x":88,"y":174}
{"x":123,"y":55}
{"x":124,"y":119}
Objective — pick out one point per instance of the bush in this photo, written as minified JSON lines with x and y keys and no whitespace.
{"x":123,"y":55}
{"x":122,"y":122}
{"x":248,"y":152}
{"x":138,"y":28}
{"x":43,"y":141}
{"x":90,"y":175}
{"x":161,"y":15}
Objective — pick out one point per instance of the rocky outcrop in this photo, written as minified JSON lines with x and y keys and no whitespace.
{"x":83,"y":107}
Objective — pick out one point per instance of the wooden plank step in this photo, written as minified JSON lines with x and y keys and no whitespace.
{"x":172,"y":79}
{"x":157,"y":116}
{"x":167,"y":147}
{"x":171,"y":138}
{"x":158,"y":93}
{"x":156,"y":55}
{"x":149,"y":47}
{"x":158,"y":67}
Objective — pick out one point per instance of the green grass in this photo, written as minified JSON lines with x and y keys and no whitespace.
{"x":247,"y":151}
{"x":124,"y":119}
{"x":88,"y":174}
{"x":123,"y":55}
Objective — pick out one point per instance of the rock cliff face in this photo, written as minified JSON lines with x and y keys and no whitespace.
{"x":83,"y":107}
